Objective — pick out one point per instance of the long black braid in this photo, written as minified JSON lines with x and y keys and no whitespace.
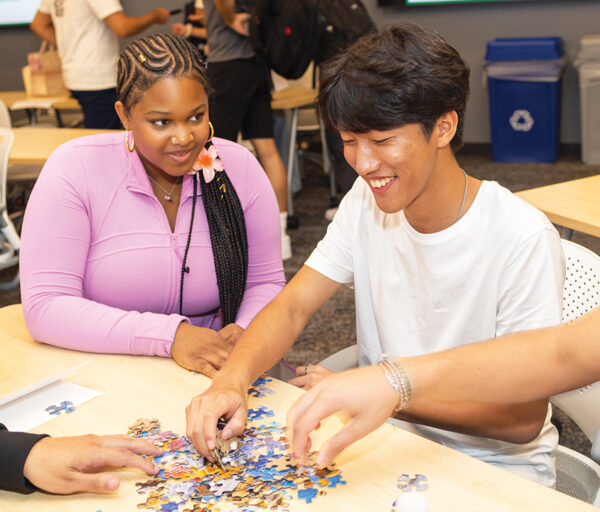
{"x":142,"y":63}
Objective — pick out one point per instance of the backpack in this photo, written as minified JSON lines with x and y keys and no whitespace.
{"x":342,"y":22}
{"x":288,"y":34}
{"x":285,"y":34}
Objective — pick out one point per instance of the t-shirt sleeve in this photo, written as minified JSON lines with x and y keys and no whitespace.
{"x":45,"y":7}
{"x":102,"y":9}
{"x":333,"y":257}
{"x":261,"y":214}
{"x":14,"y":449}
{"x":531,"y":287}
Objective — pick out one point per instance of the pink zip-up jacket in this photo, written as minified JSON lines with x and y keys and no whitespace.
{"x":100,"y":267}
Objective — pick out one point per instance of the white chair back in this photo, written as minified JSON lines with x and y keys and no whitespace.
{"x":7,"y":229}
{"x":581,"y":294}
{"x":5,"y":121}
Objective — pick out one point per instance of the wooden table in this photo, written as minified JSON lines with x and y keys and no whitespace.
{"x":148,"y":387}
{"x":33,"y":144}
{"x":19,"y":100}
{"x":574,"y":204}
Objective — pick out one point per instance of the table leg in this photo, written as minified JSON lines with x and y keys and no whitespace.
{"x":290,"y":162}
{"x":567,"y":233}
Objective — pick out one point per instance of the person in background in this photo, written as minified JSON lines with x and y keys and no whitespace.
{"x":514,"y":368}
{"x":66,"y":465}
{"x":436,"y":257}
{"x":160,"y":240}
{"x":194,"y":26}
{"x":86,"y":34}
{"x":242,"y":99}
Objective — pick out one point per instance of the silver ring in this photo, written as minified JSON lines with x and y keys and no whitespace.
{"x":306,"y":368}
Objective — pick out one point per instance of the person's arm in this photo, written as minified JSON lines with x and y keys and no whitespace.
{"x":264,"y":342}
{"x":126,"y":26}
{"x":42,"y":25}
{"x":515,"y":368}
{"x":237,"y":21}
{"x":14,"y":449}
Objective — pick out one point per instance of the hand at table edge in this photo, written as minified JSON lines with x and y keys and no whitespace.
{"x":67,"y":465}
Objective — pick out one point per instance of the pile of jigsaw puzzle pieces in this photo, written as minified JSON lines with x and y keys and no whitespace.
{"x":258,"y":472}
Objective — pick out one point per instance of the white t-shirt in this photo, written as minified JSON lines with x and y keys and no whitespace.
{"x":499,"y":269}
{"x":88,"y":49}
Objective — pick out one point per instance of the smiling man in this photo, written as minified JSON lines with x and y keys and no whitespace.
{"x":437,"y":258}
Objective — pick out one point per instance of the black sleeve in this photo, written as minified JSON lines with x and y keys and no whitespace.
{"x":14,"y":449}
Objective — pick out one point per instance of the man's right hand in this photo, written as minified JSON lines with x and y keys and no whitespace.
{"x":162,"y":15}
{"x":225,"y":398}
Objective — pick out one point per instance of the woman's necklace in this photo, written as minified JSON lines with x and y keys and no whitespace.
{"x":168,"y":193}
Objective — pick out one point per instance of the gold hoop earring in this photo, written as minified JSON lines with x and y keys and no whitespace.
{"x":132,"y":147}
{"x":212,"y":131}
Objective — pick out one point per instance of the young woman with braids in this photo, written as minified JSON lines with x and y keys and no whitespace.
{"x":160,"y":240}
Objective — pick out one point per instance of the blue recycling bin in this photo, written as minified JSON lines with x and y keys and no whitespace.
{"x":524,"y":81}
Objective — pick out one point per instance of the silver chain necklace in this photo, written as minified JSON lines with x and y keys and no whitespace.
{"x":168,"y":193}
{"x":464,"y":196}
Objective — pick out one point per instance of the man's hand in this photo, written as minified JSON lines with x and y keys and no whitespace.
{"x":200,"y":349}
{"x":223,"y":399}
{"x":65,"y":465}
{"x":316,"y":373}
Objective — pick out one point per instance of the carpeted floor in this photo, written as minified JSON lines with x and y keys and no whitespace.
{"x":332,"y":328}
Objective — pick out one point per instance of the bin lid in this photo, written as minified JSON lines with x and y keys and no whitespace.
{"x":524,"y":48}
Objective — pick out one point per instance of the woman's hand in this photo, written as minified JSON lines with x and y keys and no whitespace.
{"x":363,"y":394}
{"x":307,"y":380}
{"x":225,"y":398}
{"x":231,"y":333}
{"x":200,"y":349}
{"x":65,"y":465}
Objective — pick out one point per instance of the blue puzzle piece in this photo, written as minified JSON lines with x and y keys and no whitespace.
{"x":307,"y":494}
{"x":260,"y":413}
{"x":60,"y":408}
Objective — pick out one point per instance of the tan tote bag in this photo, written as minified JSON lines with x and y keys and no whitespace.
{"x":46,"y":74}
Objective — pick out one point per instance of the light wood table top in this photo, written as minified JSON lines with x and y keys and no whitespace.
{"x":574,"y":204}
{"x":293,"y":97}
{"x":64,"y":101}
{"x":137,"y":386}
{"x":33,"y":144}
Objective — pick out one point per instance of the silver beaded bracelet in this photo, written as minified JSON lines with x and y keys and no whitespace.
{"x":398,"y":378}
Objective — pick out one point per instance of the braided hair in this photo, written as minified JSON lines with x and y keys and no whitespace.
{"x":141,"y":64}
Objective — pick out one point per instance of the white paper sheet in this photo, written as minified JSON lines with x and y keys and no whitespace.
{"x":29,"y":411}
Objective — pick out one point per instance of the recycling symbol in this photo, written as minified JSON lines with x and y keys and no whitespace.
{"x":521,"y":120}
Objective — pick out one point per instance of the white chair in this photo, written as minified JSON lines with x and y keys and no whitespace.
{"x":578,"y":475}
{"x":5,"y":121}
{"x":9,"y":239}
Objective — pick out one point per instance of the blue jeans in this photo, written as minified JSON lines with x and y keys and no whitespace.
{"x":99,"y":108}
